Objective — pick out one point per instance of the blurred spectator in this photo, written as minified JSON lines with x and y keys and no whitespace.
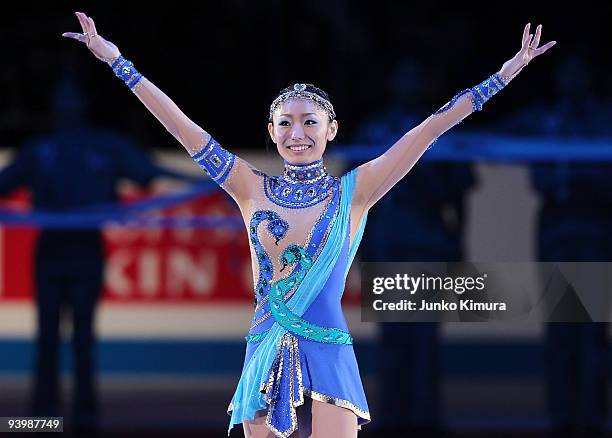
{"x":75,"y":165}
{"x":420,"y":219}
{"x":573,"y":226}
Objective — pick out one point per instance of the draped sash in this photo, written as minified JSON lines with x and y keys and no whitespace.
{"x":248,"y":399}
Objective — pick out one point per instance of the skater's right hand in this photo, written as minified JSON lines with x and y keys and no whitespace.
{"x":101,"y":48}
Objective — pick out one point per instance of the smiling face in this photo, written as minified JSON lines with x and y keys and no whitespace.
{"x":301,"y":130}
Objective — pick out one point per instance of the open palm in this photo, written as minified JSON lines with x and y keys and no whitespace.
{"x":101,"y":48}
{"x":529,"y":50}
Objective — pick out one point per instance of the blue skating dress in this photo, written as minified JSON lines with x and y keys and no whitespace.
{"x":303,"y":236}
{"x":302,"y":245}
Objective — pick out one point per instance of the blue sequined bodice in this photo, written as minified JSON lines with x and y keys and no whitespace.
{"x":292,"y":219}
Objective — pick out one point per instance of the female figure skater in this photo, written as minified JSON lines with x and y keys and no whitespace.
{"x":300,"y":376}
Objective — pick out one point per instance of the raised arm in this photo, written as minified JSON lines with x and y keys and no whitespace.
{"x":233,"y":174}
{"x":376,"y":177}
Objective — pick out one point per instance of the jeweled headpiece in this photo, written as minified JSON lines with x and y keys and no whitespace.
{"x":299,"y":92}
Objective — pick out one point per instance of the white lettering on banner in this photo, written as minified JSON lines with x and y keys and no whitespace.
{"x":186,"y":273}
{"x":149,"y":271}
{"x":116,"y":278}
{"x":199,"y":274}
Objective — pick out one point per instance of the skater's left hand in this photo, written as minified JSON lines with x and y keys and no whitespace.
{"x":529,"y":50}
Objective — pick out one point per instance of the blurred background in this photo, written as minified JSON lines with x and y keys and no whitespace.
{"x":526,"y":179}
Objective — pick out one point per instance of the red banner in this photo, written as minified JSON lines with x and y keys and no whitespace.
{"x":152,"y":265}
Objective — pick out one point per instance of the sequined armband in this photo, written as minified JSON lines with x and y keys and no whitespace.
{"x":125,"y":71}
{"x":215,"y":161}
{"x":486,"y":89}
{"x":479,"y":94}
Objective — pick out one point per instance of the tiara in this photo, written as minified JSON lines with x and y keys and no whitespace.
{"x":299,"y":92}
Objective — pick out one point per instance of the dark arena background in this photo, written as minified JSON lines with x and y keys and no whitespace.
{"x":526,"y":179}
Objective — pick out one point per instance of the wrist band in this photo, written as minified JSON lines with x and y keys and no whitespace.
{"x":478,"y":94}
{"x":125,"y":71}
{"x":487,"y":89}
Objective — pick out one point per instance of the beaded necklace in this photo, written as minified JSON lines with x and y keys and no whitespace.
{"x":300,"y":185}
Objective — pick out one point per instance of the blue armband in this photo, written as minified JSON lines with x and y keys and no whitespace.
{"x":215,"y":161}
{"x":478,"y":94}
{"x":125,"y":71}
{"x":485,"y":90}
